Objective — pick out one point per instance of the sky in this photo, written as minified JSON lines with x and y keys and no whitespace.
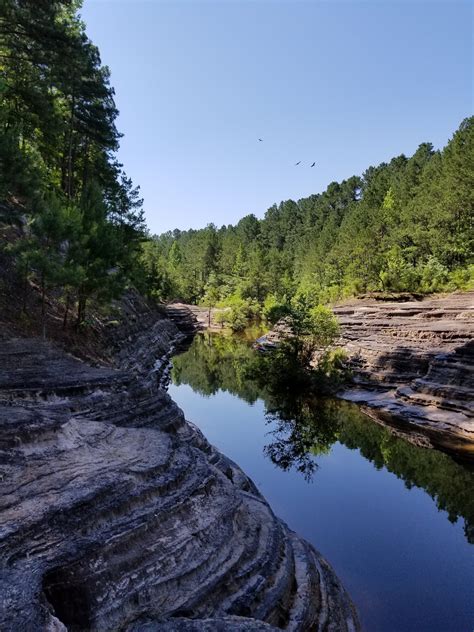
{"x":347,"y":84}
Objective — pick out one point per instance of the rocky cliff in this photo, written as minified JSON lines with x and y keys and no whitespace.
{"x":116,"y":513}
{"x":413,"y":366}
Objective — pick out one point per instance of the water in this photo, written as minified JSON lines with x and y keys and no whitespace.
{"x":394,"y":520}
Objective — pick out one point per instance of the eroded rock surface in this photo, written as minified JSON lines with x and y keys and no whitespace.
{"x":116,"y":514}
{"x":413,"y":365}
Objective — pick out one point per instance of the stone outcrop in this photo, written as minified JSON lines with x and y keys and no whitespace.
{"x":116,"y":513}
{"x":187,"y":318}
{"x":413,"y":366}
{"x":201,"y":317}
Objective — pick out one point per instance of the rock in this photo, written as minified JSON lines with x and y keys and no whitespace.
{"x":116,"y":513}
{"x":221,"y":624}
{"x":413,"y":365}
{"x":190,"y":318}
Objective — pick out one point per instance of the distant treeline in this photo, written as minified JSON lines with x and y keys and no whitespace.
{"x":406,"y":225}
{"x":78,"y":217}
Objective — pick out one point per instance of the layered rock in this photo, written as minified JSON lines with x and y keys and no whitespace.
{"x":413,"y":365}
{"x":116,"y":514}
{"x":195,"y":316}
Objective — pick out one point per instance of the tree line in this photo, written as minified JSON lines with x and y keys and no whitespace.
{"x":80,"y":218}
{"x":405,"y":225}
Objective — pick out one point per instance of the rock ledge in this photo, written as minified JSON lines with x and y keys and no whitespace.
{"x":116,"y":513}
{"x":413,"y":366}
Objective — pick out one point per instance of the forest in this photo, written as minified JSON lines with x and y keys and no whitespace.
{"x":404,"y":225}
{"x":78,"y":219}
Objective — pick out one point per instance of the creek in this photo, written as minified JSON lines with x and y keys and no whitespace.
{"x":395,"y":521}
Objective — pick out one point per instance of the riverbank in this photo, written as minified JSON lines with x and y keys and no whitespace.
{"x":413,"y":366}
{"x":117,"y":513}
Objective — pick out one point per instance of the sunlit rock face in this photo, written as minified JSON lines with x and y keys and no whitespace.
{"x":413,"y":364}
{"x":116,"y":514}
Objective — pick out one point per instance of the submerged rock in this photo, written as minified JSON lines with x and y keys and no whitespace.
{"x":117,"y":514}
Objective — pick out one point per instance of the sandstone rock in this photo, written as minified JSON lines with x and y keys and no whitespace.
{"x":221,"y":624}
{"x":413,"y":365}
{"x":190,"y":318}
{"x":116,"y":513}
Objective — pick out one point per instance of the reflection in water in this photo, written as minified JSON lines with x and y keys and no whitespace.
{"x":304,"y":427}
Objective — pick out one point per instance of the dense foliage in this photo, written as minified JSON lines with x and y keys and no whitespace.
{"x":406,"y":225}
{"x":302,"y":360}
{"x":79,"y":216}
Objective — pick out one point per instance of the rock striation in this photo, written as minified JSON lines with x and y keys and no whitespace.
{"x":413,"y":366}
{"x":117,"y":514}
{"x":184,"y":314}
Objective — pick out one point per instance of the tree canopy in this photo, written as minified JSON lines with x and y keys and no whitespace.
{"x":405,"y":225}
{"x":58,"y":169}
{"x":402,"y":225}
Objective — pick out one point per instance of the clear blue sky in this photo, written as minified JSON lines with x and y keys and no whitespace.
{"x":345,"y":84}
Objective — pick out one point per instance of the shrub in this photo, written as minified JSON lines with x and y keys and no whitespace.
{"x":222,"y":316}
{"x":398,"y":274}
{"x":461,"y":279}
{"x":333,"y":366}
{"x":276,"y":313}
{"x":238,"y":318}
{"x":322,"y":326}
{"x":433,"y":276}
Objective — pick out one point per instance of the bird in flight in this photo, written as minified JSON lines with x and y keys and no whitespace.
{"x":297,"y":163}
{"x":260,"y":140}
{"x":313,"y":164}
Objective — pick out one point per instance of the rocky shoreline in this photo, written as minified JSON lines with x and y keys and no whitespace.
{"x":413,"y":366}
{"x":117,"y":514}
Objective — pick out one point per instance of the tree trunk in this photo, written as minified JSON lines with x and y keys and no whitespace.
{"x":43,"y":306}
{"x":70,"y":143}
{"x":85,"y":170}
{"x":64,"y":164}
{"x":25,"y":289}
{"x":66,"y":313}
{"x":72,"y":160}
{"x":81,"y":308}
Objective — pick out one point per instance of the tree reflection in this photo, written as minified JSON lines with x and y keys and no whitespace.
{"x":304,"y":426}
{"x":216,"y":362}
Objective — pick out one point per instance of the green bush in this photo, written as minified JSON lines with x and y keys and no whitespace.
{"x":333,"y":366}
{"x":322,"y":326}
{"x":238,"y":318}
{"x":399,"y":274}
{"x":222,"y":316}
{"x":434,"y":276}
{"x":461,"y":279}
{"x":276,"y":313}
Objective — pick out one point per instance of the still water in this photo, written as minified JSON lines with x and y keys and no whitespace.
{"x":395,"y":521}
